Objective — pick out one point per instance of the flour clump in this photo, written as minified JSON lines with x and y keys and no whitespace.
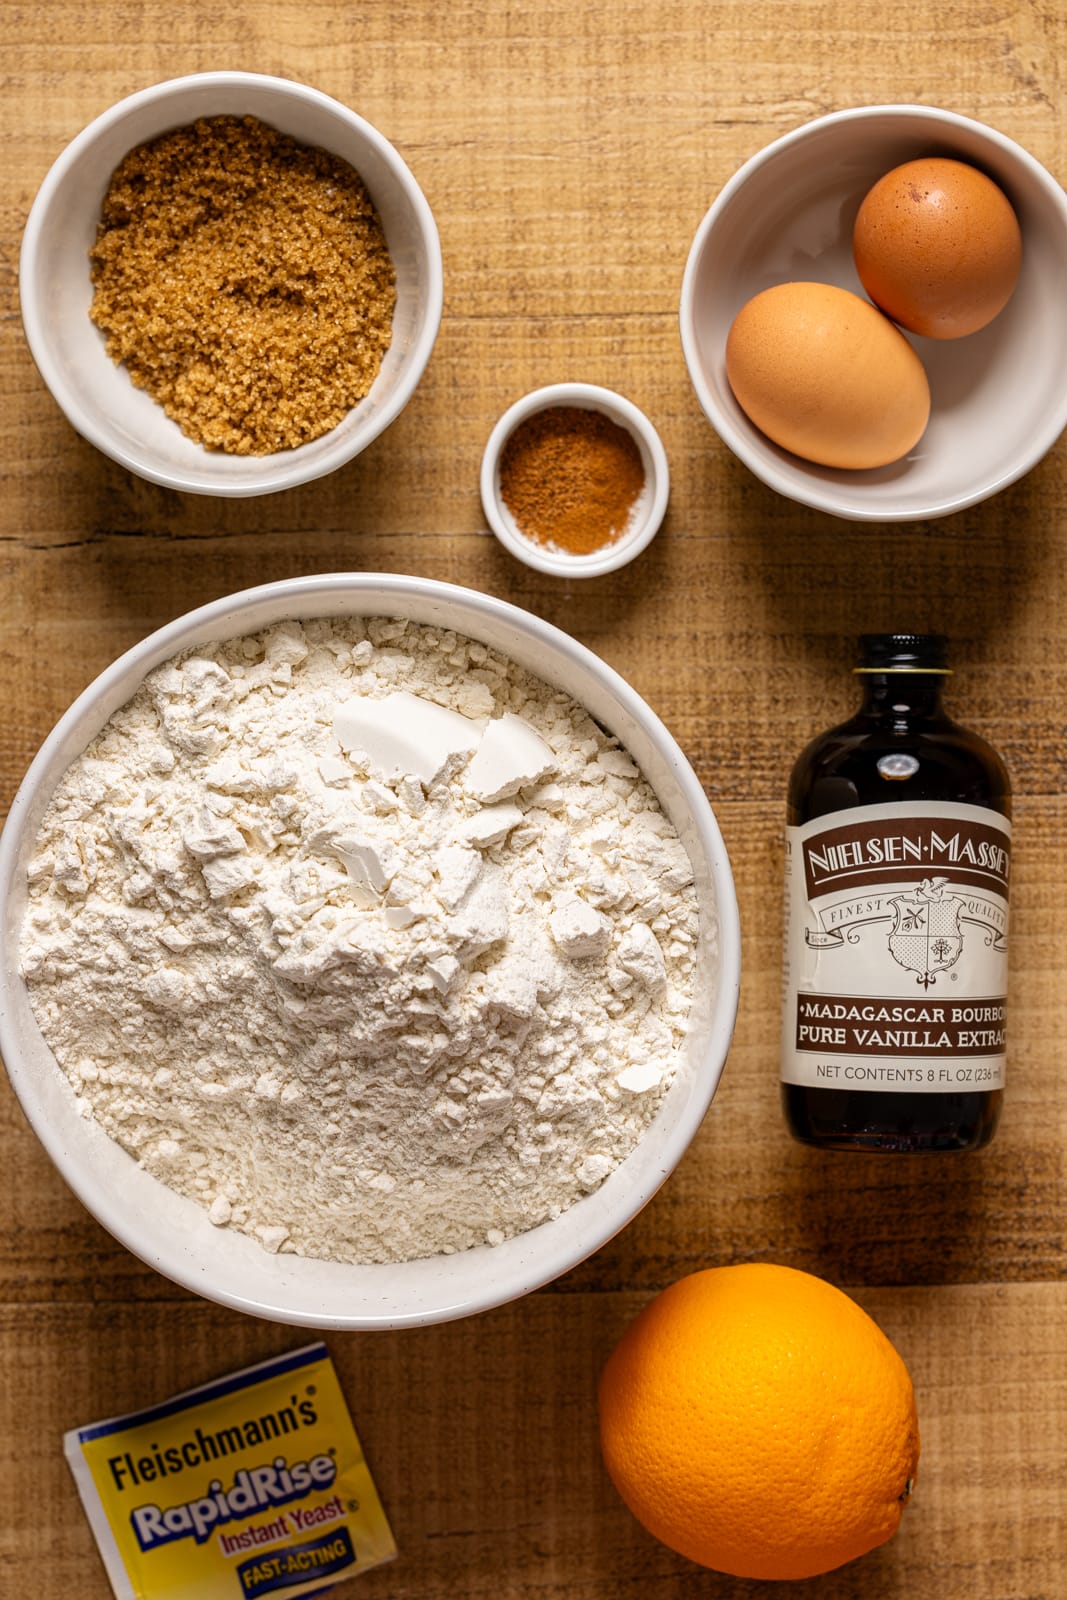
{"x":364,"y":938}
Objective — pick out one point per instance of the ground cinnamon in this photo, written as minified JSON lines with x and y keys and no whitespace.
{"x":570,"y":478}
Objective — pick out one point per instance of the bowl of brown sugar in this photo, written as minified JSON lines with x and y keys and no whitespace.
{"x":231,"y":283}
{"x":574,"y":480}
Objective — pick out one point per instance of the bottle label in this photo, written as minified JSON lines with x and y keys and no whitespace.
{"x":895,"y":969}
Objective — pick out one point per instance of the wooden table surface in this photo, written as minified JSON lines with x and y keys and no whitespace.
{"x":568,"y":152}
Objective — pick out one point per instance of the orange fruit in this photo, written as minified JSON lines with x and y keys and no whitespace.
{"x":756,"y":1420}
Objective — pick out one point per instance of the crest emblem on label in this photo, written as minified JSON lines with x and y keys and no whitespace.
{"x":926,"y":937}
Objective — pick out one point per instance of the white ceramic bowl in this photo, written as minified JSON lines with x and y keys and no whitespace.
{"x":54,"y":285}
{"x":999,"y":400}
{"x":173,"y":1234}
{"x":648,"y":510}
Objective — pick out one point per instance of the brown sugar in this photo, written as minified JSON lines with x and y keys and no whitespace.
{"x":570,"y":478}
{"x":245,"y":281}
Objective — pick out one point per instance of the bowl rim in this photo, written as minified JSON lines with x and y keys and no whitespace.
{"x":283,"y":469}
{"x":220,"y":619}
{"x":810,"y":491}
{"x":592,"y":397}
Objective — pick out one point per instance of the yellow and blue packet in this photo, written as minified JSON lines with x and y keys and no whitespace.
{"x":252,"y":1486}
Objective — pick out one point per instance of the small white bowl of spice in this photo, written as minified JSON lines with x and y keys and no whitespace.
{"x":574,"y":480}
{"x":231,"y":283}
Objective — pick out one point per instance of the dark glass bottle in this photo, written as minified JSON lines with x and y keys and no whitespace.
{"x":898,"y":854}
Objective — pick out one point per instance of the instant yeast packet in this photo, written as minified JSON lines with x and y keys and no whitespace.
{"x":252,"y":1485}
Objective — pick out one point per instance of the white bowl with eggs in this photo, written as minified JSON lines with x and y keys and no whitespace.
{"x":173,"y":1234}
{"x":55,"y":289}
{"x":997,"y":401}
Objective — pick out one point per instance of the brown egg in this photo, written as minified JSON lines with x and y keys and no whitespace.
{"x":937,"y":246}
{"x":825,"y":375}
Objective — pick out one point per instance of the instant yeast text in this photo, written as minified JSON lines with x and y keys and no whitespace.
{"x":250,"y":1486}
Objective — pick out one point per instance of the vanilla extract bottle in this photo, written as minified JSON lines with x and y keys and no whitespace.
{"x":898,"y":850}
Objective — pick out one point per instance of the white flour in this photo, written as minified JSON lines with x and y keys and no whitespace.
{"x":358,"y":991}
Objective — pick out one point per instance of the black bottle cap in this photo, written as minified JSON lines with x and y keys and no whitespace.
{"x":903,"y":652}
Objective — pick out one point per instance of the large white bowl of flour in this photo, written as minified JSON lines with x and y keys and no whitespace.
{"x":262,"y":1270}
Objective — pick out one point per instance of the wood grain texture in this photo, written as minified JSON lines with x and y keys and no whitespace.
{"x":488,"y":1464}
{"x":569,"y":151}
